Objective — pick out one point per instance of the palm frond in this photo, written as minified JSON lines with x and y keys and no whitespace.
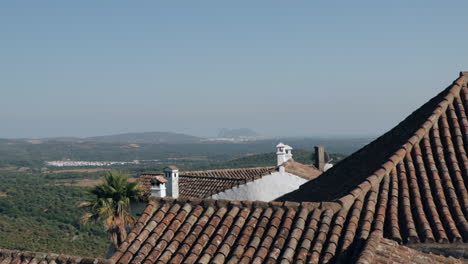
{"x":110,"y":202}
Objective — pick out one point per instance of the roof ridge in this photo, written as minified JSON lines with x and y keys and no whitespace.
{"x":374,"y":179}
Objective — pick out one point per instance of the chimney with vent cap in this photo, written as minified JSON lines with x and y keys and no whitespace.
{"x":320,"y":157}
{"x":280,"y":154}
{"x":171,"y":174}
{"x":283,"y":153}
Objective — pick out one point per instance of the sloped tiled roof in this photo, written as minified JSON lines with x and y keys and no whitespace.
{"x":16,"y":257}
{"x":203,"y":184}
{"x":415,"y":175}
{"x":220,"y":231}
{"x":408,"y":186}
{"x":305,"y":171}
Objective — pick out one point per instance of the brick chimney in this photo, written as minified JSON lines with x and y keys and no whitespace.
{"x":320,"y":157}
{"x":171,"y":173}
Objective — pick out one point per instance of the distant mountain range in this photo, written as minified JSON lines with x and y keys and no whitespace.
{"x":127,"y":138}
{"x":142,"y":137}
{"x":145,"y":140}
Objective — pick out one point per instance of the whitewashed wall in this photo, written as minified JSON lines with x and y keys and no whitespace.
{"x":267,"y":188}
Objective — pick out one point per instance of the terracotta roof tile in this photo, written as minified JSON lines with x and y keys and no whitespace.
{"x":233,"y":232}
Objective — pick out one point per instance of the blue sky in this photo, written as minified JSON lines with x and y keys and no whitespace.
{"x":282,"y":68}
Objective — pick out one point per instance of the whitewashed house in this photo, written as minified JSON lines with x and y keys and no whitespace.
{"x":261,"y":183}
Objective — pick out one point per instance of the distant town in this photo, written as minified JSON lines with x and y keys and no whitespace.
{"x":79,"y":163}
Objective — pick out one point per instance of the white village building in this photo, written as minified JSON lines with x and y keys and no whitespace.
{"x":261,"y":183}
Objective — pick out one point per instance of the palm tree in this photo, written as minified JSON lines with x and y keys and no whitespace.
{"x":110,"y":202}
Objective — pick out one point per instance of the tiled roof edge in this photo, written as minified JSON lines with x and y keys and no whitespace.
{"x":158,"y":202}
{"x":374,"y":179}
{"x":63,"y":258}
{"x":246,"y":203}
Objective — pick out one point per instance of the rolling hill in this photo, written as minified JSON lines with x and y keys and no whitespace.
{"x":145,"y":138}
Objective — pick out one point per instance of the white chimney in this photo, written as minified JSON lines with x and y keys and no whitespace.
{"x":158,"y":186}
{"x":280,"y":154}
{"x":288,"y":150}
{"x":283,"y":153}
{"x":171,"y":174}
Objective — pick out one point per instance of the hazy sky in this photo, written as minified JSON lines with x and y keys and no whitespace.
{"x":295,"y":68}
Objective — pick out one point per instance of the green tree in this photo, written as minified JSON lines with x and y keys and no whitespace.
{"x":109,"y":202}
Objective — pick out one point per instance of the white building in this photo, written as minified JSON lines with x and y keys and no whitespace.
{"x":262,"y":183}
